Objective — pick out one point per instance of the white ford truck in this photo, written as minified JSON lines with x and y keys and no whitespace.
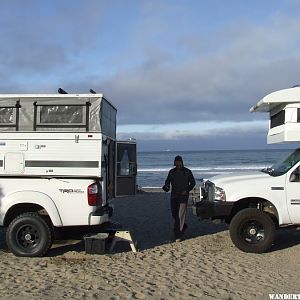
{"x":256,"y":204}
{"x":60,"y":165}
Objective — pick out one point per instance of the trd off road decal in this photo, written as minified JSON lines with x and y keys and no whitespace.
{"x":71,"y":191}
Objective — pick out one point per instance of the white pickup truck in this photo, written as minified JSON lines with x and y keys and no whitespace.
{"x":60,"y":165}
{"x":256,"y":204}
{"x":33,"y":208}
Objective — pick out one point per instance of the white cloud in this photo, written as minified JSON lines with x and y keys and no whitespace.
{"x":248,"y":62}
{"x":191,"y":130}
{"x":169,"y":70}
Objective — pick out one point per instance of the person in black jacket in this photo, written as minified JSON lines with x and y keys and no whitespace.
{"x":182,"y":182}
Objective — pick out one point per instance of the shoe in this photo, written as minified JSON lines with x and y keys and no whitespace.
{"x":178,"y":236}
{"x":185,"y":227}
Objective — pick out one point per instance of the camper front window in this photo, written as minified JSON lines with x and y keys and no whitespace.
{"x":277,"y":119}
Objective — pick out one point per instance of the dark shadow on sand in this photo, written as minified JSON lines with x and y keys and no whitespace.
{"x":148,"y":217}
{"x":285,"y":238}
{"x":72,"y":238}
{"x":62,"y":246}
{"x":3,"y":246}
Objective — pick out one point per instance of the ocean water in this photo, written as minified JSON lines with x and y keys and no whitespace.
{"x":153,"y":167}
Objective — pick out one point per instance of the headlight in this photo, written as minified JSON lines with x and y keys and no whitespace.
{"x":220,"y":194}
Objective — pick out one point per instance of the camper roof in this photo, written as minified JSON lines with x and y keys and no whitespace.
{"x":269,"y":102}
{"x":9,"y":96}
{"x":47,"y":97}
{"x":57,"y":112}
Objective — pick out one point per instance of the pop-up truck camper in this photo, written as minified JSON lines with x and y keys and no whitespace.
{"x":257,"y":203}
{"x":60,"y":165}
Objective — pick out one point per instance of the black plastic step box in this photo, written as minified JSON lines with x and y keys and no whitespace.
{"x":95,"y":243}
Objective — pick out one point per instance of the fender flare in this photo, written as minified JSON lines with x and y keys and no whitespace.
{"x":30,"y":197}
{"x":278,"y":215}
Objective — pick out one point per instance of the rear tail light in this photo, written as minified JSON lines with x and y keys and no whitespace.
{"x":95,"y":194}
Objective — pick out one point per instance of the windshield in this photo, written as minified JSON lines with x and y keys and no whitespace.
{"x":282,"y":167}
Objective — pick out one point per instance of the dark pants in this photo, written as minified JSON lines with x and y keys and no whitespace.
{"x":178,"y":209}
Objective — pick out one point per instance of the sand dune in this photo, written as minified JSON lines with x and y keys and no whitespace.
{"x":205,"y":265}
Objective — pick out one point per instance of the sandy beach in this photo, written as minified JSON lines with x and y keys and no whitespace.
{"x":205,"y":265}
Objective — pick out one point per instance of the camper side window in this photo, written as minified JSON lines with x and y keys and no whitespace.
{"x":52,"y":114}
{"x":277,"y":119}
{"x":298,"y":115}
{"x":61,"y":116}
{"x":7,"y":115}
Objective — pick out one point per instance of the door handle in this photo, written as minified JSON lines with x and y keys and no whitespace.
{"x":133,"y":169}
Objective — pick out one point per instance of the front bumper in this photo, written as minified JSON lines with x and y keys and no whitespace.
{"x":213,"y":209}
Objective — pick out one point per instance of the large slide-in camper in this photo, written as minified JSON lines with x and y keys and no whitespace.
{"x":60,"y":164}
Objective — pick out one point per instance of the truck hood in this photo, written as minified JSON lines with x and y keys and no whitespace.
{"x":221,"y":180}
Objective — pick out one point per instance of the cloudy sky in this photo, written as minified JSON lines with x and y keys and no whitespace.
{"x":183,"y":74}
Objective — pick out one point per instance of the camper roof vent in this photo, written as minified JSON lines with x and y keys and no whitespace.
{"x":61,"y":91}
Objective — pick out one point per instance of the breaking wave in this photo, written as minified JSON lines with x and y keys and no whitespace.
{"x":207,"y":169}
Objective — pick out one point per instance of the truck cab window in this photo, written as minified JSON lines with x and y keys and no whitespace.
{"x":295,"y":175}
{"x":285,"y":165}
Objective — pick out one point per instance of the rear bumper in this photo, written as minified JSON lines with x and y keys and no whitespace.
{"x":213,"y":209}
{"x":103,"y":210}
{"x":101,"y":215}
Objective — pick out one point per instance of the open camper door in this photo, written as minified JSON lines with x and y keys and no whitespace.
{"x":126,"y":168}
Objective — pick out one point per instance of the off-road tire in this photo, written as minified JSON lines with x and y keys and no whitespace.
{"x":245,"y":223}
{"x":29,"y":234}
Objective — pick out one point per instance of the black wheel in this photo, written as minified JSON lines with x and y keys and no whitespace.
{"x":252,"y":230}
{"x":29,"y":235}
